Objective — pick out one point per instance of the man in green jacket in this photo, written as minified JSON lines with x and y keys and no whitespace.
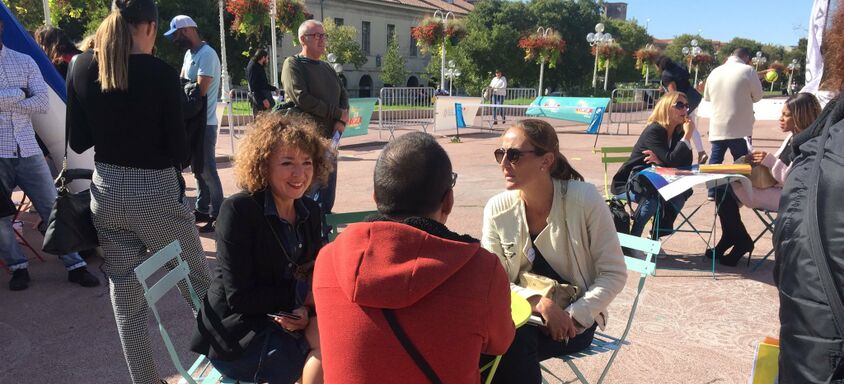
{"x":315,"y":89}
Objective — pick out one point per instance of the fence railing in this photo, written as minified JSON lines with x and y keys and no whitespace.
{"x":631,"y":106}
{"x":400,"y":107}
{"x":515,"y":98}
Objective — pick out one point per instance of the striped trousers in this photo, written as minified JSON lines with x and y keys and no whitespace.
{"x":137,"y":212}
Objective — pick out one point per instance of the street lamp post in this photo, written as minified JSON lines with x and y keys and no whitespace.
{"x":692,"y":52}
{"x":274,"y":48}
{"x":759,"y":60}
{"x":332,"y":59}
{"x":451,"y":72}
{"x":542,"y":33}
{"x":794,"y":66}
{"x":444,"y":17}
{"x":594,"y":40}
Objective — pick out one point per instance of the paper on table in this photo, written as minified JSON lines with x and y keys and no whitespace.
{"x":674,"y":182}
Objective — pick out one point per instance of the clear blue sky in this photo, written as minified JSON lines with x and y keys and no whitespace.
{"x":780,"y":22}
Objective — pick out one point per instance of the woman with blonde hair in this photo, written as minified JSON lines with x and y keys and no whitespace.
{"x":664,"y":142}
{"x":268,"y":237}
{"x":126,"y":104}
{"x":550,"y":223}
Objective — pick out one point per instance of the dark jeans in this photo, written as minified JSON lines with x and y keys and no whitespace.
{"x":648,"y":207}
{"x":520,"y":364}
{"x":273,"y":356}
{"x":209,"y":188}
{"x":324,"y":194}
{"x":499,"y":100}
{"x":737,"y":147}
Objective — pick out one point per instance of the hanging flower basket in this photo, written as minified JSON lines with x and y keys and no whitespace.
{"x":777,"y":66}
{"x":251,"y":17}
{"x":290,"y":15}
{"x":430,"y":33}
{"x":613,"y":52}
{"x":543,"y":47}
{"x":646,"y":55}
{"x":702,"y":59}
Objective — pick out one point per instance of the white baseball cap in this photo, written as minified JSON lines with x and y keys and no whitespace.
{"x":179,"y":22}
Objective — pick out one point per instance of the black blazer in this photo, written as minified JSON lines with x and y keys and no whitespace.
{"x":655,"y":138}
{"x":252,"y":277}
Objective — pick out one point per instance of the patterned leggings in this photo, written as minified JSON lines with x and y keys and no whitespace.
{"x":137,"y":212}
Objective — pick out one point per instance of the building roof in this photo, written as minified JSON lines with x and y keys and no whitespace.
{"x":461,"y":7}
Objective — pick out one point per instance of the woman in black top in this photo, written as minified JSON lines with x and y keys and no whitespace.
{"x":675,"y":78}
{"x":664,"y":142}
{"x":268,"y":237}
{"x":126,"y":104}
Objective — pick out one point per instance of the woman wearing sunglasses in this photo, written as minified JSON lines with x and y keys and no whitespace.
{"x":664,"y":142}
{"x":798,"y":113}
{"x":550,"y":223}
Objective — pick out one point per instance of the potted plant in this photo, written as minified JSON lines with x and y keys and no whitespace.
{"x":251,"y":17}
{"x":645,"y":59}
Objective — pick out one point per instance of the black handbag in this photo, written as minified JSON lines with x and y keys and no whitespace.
{"x":70,"y":227}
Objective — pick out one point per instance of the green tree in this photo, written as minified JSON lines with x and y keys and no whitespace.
{"x":393,"y":70}
{"x":29,"y":13}
{"x":494,"y":28}
{"x":631,"y":36}
{"x":739,"y":42}
{"x":342,"y":43}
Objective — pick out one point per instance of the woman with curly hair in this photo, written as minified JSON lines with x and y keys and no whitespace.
{"x":268,"y":237}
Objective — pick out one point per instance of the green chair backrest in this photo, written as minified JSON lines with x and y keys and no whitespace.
{"x":336,"y":220}
{"x":607,"y":158}
{"x":168,"y":255}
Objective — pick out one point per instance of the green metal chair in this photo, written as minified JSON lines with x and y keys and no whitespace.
{"x":336,"y":220}
{"x":606,"y":343}
{"x":201,"y":371}
{"x":608,"y":156}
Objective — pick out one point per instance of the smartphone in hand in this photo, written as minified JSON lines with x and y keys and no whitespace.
{"x":284,"y":315}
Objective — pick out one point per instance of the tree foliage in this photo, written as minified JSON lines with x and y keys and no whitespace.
{"x":342,"y":42}
{"x":739,"y":42}
{"x":630,"y":36}
{"x":393,"y":70}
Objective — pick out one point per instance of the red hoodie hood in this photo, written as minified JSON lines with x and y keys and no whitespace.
{"x":393,"y":265}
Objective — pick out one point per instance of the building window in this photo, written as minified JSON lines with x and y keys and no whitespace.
{"x":338,"y":21}
{"x":413,"y":49}
{"x":391,"y":30}
{"x":364,"y":36}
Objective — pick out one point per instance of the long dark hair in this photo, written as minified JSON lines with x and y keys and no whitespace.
{"x":543,"y":137}
{"x":804,"y":108}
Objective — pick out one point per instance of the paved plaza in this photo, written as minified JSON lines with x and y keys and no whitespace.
{"x":690,"y":327}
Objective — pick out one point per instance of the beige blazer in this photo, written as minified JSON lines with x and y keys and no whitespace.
{"x":579,"y":243}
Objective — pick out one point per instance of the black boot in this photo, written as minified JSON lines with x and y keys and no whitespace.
{"x":739,"y":250}
{"x":210,"y":226}
{"x":82,"y":277}
{"x":20,"y":280}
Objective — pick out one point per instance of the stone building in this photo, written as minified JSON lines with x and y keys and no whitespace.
{"x":375,"y":20}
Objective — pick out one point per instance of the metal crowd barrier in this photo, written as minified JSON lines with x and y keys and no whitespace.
{"x":400,"y":107}
{"x":631,"y":106}
{"x":514,"y":97}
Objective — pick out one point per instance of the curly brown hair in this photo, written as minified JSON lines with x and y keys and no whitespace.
{"x":833,"y":52}
{"x":251,"y":164}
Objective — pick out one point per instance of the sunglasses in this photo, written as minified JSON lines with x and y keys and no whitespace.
{"x":681,"y":106}
{"x":319,"y":36}
{"x":513,"y":155}
{"x":453,"y":183}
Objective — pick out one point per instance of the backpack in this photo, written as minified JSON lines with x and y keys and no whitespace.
{"x":620,"y":217}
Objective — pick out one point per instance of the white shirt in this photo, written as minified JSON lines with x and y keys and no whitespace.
{"x":732,"y":88}
{"x":499,"y":86}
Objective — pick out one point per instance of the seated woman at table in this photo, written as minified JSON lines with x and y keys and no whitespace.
{"x":268,"y":237}
{"x":798,"y":113}
{"x":664,"y":142}
{"x":676,"y":78}
{"x":550,"y":223}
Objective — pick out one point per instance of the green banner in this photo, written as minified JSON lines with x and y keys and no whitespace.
{"x":360,"y":112}
{"x":580,"y":109}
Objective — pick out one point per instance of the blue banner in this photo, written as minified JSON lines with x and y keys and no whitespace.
{"x":585,"y":110}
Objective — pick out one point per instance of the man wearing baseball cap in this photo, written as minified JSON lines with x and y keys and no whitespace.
{"x":202,"y":65}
